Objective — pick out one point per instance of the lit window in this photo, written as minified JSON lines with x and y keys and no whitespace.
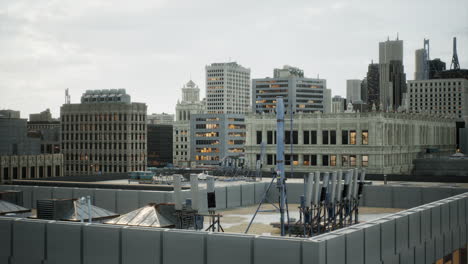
{"x":365,"y":160}
{"x":365,"y":137}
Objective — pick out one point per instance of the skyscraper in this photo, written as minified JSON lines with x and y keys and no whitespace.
{"x":391,"y":74}
{"x":189,"y":106}
{"x":420,"y":65}
{"x":364,"y":90}
{"x":353,"y":90}
{"x":373,"y":86}
{"x":300,"y":93}
{"x":227,"y":88}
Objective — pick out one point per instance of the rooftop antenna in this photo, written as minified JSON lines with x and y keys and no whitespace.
{"x":397,"y":36}
{"x":67,"y":96}
{"x":455,"y":64}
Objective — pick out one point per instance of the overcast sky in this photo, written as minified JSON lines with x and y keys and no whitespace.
{"x":153,"y":47}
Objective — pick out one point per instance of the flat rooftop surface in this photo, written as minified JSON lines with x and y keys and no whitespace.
{"x":227,"y":181}
{"x":236,"y":220}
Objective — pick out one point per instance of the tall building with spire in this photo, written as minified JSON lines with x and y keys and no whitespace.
{"x":189,"y":106}
{"x":392,"y":77}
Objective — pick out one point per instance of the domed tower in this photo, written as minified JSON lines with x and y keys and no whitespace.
{"x":190,"y":92}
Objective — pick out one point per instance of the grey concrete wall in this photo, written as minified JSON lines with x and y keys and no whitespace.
{"x":420,"y":235}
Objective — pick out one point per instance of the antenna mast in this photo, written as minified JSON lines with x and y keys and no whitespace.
{"x":455,"y":64}
{"x":67,"y":96}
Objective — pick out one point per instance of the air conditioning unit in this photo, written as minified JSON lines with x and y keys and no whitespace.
{"x":54,"y":209}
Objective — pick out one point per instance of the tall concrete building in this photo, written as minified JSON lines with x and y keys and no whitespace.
{"x":373,"y":86}
{"x":105,"y":133}
{"x":353,"y":90}
{"x":189,"y":106}
{"x":421,"y":65}
{"x":216,"y":137}
{"x":227,"y":88}
{"x":392,"y":78}
{"x":305,"y":94}
{"x":364,"y":89}
{"x":441,"y":97}
{"x":327,"y":101}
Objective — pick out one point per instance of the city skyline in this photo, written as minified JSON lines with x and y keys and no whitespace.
{"x":152,"y":47}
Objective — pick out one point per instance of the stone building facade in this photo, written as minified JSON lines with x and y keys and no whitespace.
{"x":106,"y":133}
{"x":380,"y":142}
{"x":14,"y":167}
{"x":189,"y":105}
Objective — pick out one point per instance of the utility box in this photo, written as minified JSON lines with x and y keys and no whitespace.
{"x":15,"y":197}
{"x":54,"y":209}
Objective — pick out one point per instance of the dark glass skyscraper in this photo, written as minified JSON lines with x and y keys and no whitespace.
{"x":373,"y":88}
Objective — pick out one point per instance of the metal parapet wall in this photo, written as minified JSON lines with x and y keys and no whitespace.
{"x":124,"y":201}
{"x":422,"y":234}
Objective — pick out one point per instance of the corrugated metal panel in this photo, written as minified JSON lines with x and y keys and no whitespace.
{"x":7,"y":207}
{"x":152,"y":215}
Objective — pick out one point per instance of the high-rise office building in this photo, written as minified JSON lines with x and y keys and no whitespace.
{"x":227,"y":88}
{"x":353,"y":90}
{"x":364,"y":90}
{"x":189,"y":106}
{"x":421,"y":65}
{"x":300,"y":93}
{"x":391,"y":73}
{"x":105,"y":133}
{"x":373,"y":86}
{"x":217,"y":137}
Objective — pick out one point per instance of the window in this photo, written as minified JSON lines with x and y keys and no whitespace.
{"x":295,"y":159}
{"x":345,"y":160}
{"x":352,"y":137}
{"x":313,"y":160}
{"x":313,"y":137}
{"x":344,"y":137}
{"x":325,"y":160}
{"x":306,"y":160}
{"x":365,"y":137}
{"x":333,"y":160}
{"x":271,"y":159}
{"x":365,"y":161}
{"x":306,"y":137}
{"x":352,"y":160}
{"x":269,"y":137}
{"x":287,"y":137}
{"x":325,"y":137}
{"x":333,"y":137}
{"x":259,"y":137}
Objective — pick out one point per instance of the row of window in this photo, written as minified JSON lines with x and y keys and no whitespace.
{"x":104,"y":157}
{"x":103,"y":168}
{"x":103,"y":117}
{"x":348,"y":137}
{"x":102,"y":145}
{"x":103,"y":127}
{"x":104,"y":136}
{"x":327,"y":160}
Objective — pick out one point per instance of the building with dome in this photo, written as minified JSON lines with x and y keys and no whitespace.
{"x":188,"y":106}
